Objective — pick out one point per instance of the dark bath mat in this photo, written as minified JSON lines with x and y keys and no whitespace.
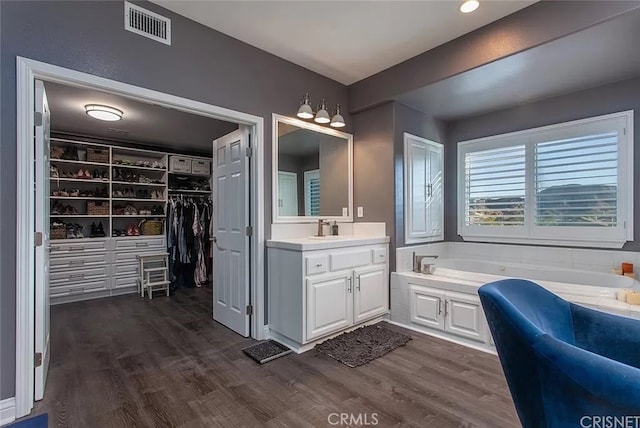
{"x":266,"y":351}
{"x":363,"y":345}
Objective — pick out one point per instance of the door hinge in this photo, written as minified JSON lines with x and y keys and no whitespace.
{"x":249,"y":309}
{"x":37,"y":359}
{"x":249,"y":151}
{"x":38,"y":239}
{"x":37,"y":118}
{"x":248,"y":231}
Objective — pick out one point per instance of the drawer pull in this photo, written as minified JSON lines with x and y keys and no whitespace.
{"x":318,"y":264}
{"x":380,"y":255}
{"x":142,"y":244}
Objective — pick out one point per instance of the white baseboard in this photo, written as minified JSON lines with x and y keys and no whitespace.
{"x":267,"y":333}
{"x":7,"y":410}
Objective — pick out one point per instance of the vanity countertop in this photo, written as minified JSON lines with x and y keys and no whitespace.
{"x":327,"y":242}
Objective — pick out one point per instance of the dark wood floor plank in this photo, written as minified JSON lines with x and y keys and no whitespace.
{"x":131,"y":362}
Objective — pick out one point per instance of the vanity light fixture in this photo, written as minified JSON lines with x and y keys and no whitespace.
{"x":337,"y":121}
{"x":469,"y":6}
{"x":102,"y":112}
{"x":305,"y":111}
{"x":322,"y":114}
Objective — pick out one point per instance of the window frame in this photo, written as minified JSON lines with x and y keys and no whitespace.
{"x":530,"y":233}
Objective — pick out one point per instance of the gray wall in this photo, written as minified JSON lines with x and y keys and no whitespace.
{"x":606,"y":99}
{"x":88,"y":36}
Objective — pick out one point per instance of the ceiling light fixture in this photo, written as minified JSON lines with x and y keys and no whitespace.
{"x":469,"y":6}
{"x":102,"y":112}
{"x":322,"y":114}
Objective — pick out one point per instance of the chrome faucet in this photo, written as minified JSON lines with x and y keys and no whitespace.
{"x":417,"y":264}
{"x":320,"y":224}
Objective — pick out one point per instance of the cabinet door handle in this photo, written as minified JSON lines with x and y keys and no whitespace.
{"x":318,"y":264}
{"x":349,"y":285}
{"x":439,"y":306}
{"x":358,"y":282}
{"x":446,"y":308}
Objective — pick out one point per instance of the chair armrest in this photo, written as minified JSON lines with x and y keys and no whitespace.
{"x":613,"y":382}
{"x":612,"y":336}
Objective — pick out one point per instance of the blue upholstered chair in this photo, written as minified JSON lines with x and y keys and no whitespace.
{"x":565,"y":364}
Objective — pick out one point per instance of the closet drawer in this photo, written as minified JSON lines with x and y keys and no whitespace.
{"x":349,"y":259}
{"x":132,"y":257}
{"x":125,"y":282}
{"x":86,"y":287}
{"x":63,"y":249}
{"x":124,"y":269}
{"x":379,"y":255}
{"x":60,"y":264}
{"x":139,"y":244}
{"x":77,"y":276}
{"x":316,"y":264}
{"x":202,"y":167}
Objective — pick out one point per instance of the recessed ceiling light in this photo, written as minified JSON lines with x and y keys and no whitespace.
{"x":101,"y":112}
{"x":469,"y":6}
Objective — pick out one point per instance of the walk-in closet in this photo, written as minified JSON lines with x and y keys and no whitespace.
{"x":135,"y":184}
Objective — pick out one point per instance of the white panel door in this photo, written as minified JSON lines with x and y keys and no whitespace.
{"x":329,"y":304}
{"x":426,"y":307}
{"x":231,"y":217}
{"x":423,"y":189}
{"x":42,"y":228}
{"x":464,"y":316}
{"x":288,"y":193}
{"x":371,"y":293}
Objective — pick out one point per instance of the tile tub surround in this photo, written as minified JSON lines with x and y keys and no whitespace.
{"x":567,"y":258}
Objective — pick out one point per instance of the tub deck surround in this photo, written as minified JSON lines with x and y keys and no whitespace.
{"x":321,"y":287}
{"x":446,"y":303}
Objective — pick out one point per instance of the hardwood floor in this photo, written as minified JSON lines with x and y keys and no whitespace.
{"x":130,"y":362}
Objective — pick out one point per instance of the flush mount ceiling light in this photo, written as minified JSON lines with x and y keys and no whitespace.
{"x":101,"y":112}
{"x":469,"y":6}
{"x":322,"y":115}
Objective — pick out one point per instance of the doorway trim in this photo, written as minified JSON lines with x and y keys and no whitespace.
{"x":27,"y":71}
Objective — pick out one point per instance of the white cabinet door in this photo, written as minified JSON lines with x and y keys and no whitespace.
{"x":423,"y":190}
{"x":371,"y":293}
{"x":464,"y":316}
{"x":329,"y":304}
{"x":427,"y":306}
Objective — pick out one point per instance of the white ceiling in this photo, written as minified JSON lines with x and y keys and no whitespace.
{"x":344,"y":40}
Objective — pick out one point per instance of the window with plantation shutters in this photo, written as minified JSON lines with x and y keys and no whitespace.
{"x":566,"y":184}
{"x":495,"y":186}
{"x":312,"y":193}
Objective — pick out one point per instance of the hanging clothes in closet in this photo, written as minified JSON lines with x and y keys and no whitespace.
{"x":188,"y":244}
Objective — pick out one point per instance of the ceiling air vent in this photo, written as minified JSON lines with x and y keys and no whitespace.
{"x":146,"y":23}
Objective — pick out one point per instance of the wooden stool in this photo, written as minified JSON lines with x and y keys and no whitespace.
{"x":153,"y":273}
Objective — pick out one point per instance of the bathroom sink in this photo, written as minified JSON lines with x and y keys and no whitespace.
{"x":327,"y":237}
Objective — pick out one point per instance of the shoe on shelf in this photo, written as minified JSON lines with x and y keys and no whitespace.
{"x":104,"y":176}
{"x":74,"y":193}
{"x":96,"y":175}
{"x":100,"y":230}
{"x":64,"y":193}
{"x":53,"y":172}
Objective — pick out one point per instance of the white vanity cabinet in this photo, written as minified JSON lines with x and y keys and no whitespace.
{"x":447,"y":311}
{"x":318,"y":288}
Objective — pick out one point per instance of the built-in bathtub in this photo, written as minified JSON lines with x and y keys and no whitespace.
{"x":581,"y":282}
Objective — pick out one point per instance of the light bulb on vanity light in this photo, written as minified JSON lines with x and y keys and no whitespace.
{"x":322,"y":116}
{"x":337,"y":121}
{"x":305,"y":111}
{"x":469,"y":6}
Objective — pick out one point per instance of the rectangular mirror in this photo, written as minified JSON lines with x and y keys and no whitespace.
{"x":312,"y":172}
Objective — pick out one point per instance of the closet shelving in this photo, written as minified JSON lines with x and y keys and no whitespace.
{"x":101,"y":266}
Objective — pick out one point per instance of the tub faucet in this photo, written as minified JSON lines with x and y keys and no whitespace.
{"x":320,"y":224}
{"x":417,"y":264}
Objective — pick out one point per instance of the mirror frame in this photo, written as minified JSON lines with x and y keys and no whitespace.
{"x":274,"y":177}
